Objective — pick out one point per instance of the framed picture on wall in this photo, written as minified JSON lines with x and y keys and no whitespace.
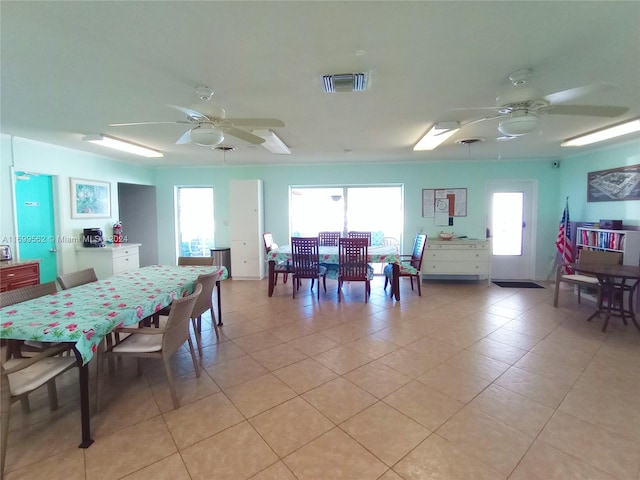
{"x":90,"y":198}
{"x":621,"y":183}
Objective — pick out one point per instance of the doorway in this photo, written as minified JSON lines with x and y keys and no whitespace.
{"x":138,"y":214}
{"x":511,"y":218}
{"x":35,"y":222}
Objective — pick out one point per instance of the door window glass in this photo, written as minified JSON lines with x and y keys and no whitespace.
{"x":507,"y":223}
{"x":195,"y":225}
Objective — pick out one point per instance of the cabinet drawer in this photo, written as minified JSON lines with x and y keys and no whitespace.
{"x":457,"y":255}
{"x":457,"y":246}
{"x":124,"y":252}
{"x":125,"y":263}
{"x":19,"y":276}
{"x":457,"y":268}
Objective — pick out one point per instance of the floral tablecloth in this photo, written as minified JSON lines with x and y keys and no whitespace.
{"x":85,"y":314}
{"x":329,"y":255}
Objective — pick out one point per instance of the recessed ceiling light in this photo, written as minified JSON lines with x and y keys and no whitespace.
{"x":438,"y":134}
{"x":121,"y":145}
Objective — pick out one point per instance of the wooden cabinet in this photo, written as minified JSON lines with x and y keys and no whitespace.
{"x":247,"y":227}
{"x":625,"y":241}
{"x":18,"y":275}
{"x":457,"y":257}
{"x":110,"y":260}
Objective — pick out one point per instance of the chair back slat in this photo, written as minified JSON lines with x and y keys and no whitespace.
{"x":74,"y":279}
{"x":366,"y":235}
{"x":353,"y":254}
{"x":195,"y":261}
{"x":27,"y":293}
{"x":176,"y":331}
{"x":329,"y":239}
{"x":418,"y":250}
{"x":305,"y":257}
{"x":204,"y":302}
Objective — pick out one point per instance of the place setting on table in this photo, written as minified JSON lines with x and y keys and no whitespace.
{"x":84,"y":315}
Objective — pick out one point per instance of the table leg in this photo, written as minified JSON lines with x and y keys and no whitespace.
{"x":85,"y":411}
{"x":219,"y":304}
{"x":395,"y":280}
{"x":272,"y":268}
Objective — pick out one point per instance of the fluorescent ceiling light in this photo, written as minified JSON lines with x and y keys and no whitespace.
{"x":438,"y":134}
{"x":116,"y":144}
{"x":605,"y":134}
{"x":272,"y":142}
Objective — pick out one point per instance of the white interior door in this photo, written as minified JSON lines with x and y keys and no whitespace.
{"x":511,"y":207}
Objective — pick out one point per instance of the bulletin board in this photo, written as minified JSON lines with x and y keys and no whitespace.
{"x":433,"y":202}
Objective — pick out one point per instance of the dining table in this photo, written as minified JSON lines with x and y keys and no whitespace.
{"x":84,"y":315}
{"x":329,"y":256}
{"x":614,"y":280}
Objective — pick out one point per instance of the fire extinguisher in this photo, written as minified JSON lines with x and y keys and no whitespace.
{"x":117,"y":232}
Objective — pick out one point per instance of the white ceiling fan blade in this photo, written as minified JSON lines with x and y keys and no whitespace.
{"x":257,"y":122}
{"x":573,"y":93}
{"x":145,"y":123}
{"x":242,"y":135}
{"x":586,"y":110}
{"x":189,"y":112}
{"x":480,"y":120}
{"x":184,"y":138}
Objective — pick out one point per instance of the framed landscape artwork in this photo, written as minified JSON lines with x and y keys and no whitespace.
{"x":90,"y":198}
{"x":621,"y":183}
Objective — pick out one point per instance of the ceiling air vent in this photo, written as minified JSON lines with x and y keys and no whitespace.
{"x":344,"y":82}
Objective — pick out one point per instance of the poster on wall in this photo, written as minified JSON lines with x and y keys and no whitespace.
{"x":615,"y":184}
{"x":457,"y":201}
{"x":90,"y":198}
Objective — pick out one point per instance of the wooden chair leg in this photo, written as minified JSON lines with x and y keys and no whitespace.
{"x":419,"y":281}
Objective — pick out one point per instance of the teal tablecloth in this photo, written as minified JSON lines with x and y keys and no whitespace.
{"x":83,"y":315}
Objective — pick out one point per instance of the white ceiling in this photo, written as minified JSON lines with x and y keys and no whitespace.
{"x":72,"y":68}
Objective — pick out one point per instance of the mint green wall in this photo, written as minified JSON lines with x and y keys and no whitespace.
{"x":414,"y":176}
{"x":62,"y":163}
{"x":573,"y":179}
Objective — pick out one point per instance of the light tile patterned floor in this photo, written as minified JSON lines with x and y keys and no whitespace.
{"x":465,"y":382}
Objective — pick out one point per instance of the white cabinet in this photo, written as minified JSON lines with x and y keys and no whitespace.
{"x":457,"y":257}
{"x":110,"y":260}
{"x":247,"y":227}
{"x":625,"y":241}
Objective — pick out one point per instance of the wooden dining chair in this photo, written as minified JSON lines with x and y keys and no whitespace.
{"x":283,"y":267}
{"x":328,"y":239}
{"x":585,"y":281}
{"x":366,"y":235}
{"x":20,"y":377}
{"x":409,"y":264}
{"x":305,"y":254}
{"x":354,"y":267}
{"x":149,"y":342}
{"x":74,"y":279}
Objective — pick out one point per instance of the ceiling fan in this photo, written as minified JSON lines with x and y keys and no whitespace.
{"x":210,"y":125}
{"x":518,"y":109}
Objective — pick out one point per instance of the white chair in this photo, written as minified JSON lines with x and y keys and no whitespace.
{"x":150,"y":342}
{"x":21,"y":376}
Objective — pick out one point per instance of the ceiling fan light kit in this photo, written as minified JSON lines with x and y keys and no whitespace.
{"x":272,"y":142}
{"x":206,"y":136}
{"x":436,"y":135}
{"x":518,"y":125}
{"x":604,"y":134}
{"x":121,"y":145}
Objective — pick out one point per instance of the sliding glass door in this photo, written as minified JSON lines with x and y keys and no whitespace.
{"x":376,"y":208}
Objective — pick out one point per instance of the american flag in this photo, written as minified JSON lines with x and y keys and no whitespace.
{"x":563,"y":243}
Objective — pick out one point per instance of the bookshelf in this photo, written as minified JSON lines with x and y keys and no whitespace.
{"x":625,"y":241}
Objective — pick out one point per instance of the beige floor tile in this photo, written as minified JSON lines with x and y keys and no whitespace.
{"x":544,"y":462}
{"x":170,"y":468}
{"x":305,"y":375}
{"x":257,"y":341}
{"x":455,"y":383}
{"x":385,"y":432}
{"x":240,"y":329}
{"x":124,"y":407}
{"x":260,"y":394}
{"x":498,"y":351}
{"x":550,"y":367}
{"x":487,"y":439}
{"x":292,"y":331}
{"x":339,"y":399}
{"x":220,"y":353}
{"x":189,"y":389}
{"x":336,"y":456}
{"x":439,"y":459}
{"x":429,"y":348}
{"x":279,"y":356}
{"x":424,"y":404}
{"x":477,"y":365}
{"x":377,"y":379}
{"x":372,"y":346}
{"x":234,"y":454}
{"x":513,"y":409}
{"x":342,"y":359}
{"x":201,"y":419}
{"x":68,"y":464}
{"x":390,"y":475}
{"x":594,"y":445}
{"x":291,"y":425}
{"x":410,"y":363}
{"x":313,"y":344}
{"x":399,"y":335}
{"x":545,"y":390}
{"x":120,"y":453}
{"x":277,"y":471}
{"x":235,"y":371}
{"x":515,"y":339}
